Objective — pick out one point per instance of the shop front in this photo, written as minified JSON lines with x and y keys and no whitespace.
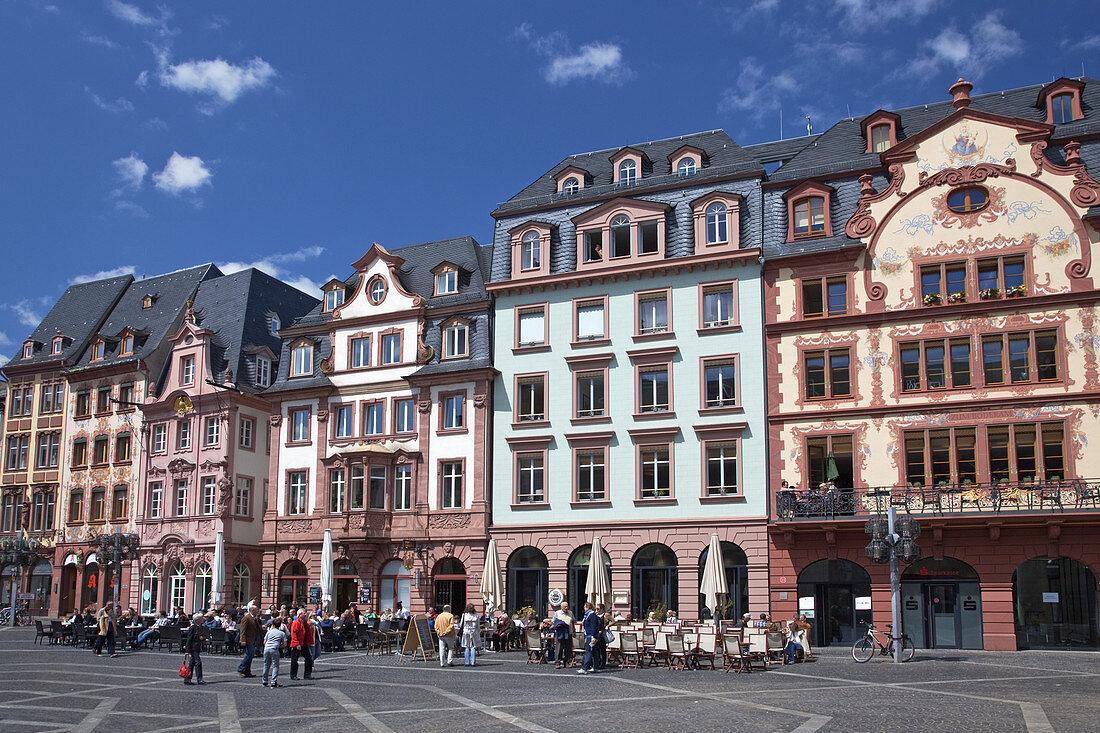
{"x":942,"y":604}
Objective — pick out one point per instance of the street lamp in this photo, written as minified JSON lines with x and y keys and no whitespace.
{"x":20,"y":551}
{"x":893,"y":539}
{"x":116,"y":548}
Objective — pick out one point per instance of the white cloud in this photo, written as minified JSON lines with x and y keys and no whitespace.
{"x":973,"y":54}
{"x":756,"y":93}
{"x":129,"y":207}
{"x":182,"y":174}
{"x":276,"y":266}
{"x":131,"y":171}
{"x":119,"y":105}
{"x":99,"y":40}
{"x":103,"y":274}
{"x":218,"y":22}
{"x":870,"y":13}
{"x":134,"y":15}
{"x":217,"y":78}
{"x":739,"y":15}
{"x":844,"y":52}
{"x":1088,"y":43}
{"x":601,"y":62}
{"x":5,"y":342}
{"x":29,"y":311}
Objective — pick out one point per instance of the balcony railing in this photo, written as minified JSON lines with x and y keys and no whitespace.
{"x":944,"y":499}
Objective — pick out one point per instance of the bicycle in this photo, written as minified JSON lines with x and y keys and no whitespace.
{"x":864,"y":648}
{"x":22,"y":616}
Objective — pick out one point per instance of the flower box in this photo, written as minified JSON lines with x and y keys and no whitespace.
{"x":989,"y":293}
{"x":932,"y":299}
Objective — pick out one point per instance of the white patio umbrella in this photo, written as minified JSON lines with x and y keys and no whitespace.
{"x":492,"y":589}
{"x":598,"y":585}
{"x":217,"y":579}
{"x":326,"y":571}
{"x":713,"y":583}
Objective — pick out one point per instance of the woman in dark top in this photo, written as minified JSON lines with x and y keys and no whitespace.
{"x":193,"y":647}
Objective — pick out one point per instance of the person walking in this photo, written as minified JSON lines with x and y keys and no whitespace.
{"x":193,"y":648}
{"x":249,"y":638}
{"x":445,"y":631}
{"x":471,"y":635}
{"x":107,"y":627}
{"x":274,"y":640}
{"x":301,"y":643}
{"x":563,"y":633}
{"x":591,"y":625}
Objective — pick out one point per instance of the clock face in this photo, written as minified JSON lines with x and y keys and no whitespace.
{"x":555,"y":597}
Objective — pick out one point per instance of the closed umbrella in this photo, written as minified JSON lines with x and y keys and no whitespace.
{"x":492,"y":589}
{"x":217,"y":579}
{"x":714,"y":584}
{"x":831,"y":471}
{"x":326,"y":571}
{"x":598,"y":586}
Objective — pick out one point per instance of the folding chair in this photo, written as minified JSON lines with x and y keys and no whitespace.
{"x":629,"y":651}
{"x":705,"y":649}
{"x":733,"y":656}
{"x":532,"y":644}
{"x":677,"y":656}
{"x":658,"y":653}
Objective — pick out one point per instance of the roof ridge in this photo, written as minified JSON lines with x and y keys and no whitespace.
{"x":647,"y":142}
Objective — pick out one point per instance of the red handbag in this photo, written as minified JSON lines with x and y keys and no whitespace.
{"x":185,"y":668}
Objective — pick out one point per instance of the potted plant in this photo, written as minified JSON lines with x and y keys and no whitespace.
{"x":989,"y":293}
{"x":956,"y":298}
{"x":932,"y":299}
{"x":1016,"y":291}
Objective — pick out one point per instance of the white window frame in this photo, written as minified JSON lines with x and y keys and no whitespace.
{"x":451,"y":485}
{"x":211,"y":431}
{"x":156,"y":499}
{"x":209,"y":494}
{"x":187,"y":370}
{"x":297,"y":483}
{"x":263,"y":371}
{"x":402,"y":487}
{"x":180,"y":490}
{"x":242,"y":498}
{"x":453,"y":336}
{"x":391,"y":348}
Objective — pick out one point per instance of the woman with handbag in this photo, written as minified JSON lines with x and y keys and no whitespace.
{"x":193,"y":648}
{"x":471,"y":635}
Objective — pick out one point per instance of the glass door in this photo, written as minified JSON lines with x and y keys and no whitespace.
{"x":942,"y":607}
{"x":840,"y":614}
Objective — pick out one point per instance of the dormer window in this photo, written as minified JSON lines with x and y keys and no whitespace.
{"x":531,"y":251}
{"x":1061,"y":108}
{"x":686,"y":167}
{"x":717,"y":229}
{"x":28,"y":350}
{"x":126,"y":345}
{"x":301,"y":363}
{"x":620,"y":235}
{"x":880,"y":138}
{"x":334,"y":299}
{"x":97,"y":351}
{"x":570,"y":186}
{"x":275,"y":325}
{"x":263,"y":372}
{"x":446,"y":282}
{"x":620,"y":230}
{"x":808,"y":211}
{"x":456,"y":343}
{"x":809,"y":216}
{"x":628,"y":173}
{"x":1062,"y":101}
{"x":187,"y":370}
{"x":147,"y":302}
{"x":55,"y":347}
{"x":376,"y":289}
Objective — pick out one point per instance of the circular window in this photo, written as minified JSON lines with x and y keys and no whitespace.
{"x":967,"y":200}
{"x":376,"y":289}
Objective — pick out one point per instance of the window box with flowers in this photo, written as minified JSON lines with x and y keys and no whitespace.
{"x":990,"y":294}
{"x":956,"y":298}
{"x":932,"y":299}
{"x":1016,"y":291}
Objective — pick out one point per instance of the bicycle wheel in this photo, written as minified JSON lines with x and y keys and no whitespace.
{"x":907,"y":650}
{"x":863,"y":650}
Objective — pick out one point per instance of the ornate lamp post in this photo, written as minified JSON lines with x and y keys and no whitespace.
{"x":116,"y":548}
{"x":20,"y":552}
{"x":893,"y":539}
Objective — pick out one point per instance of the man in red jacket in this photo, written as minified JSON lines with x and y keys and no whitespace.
{"x":301,"y":642}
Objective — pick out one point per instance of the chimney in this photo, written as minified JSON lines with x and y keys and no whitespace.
{"x":960,"y":93}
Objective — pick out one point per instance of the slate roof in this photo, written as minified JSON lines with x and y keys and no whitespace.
{"x":480,"y":341}
{"x":170,"y":291}
{"x":842,"y":148}
{"x":237,"y":309}
{"x":779,"y":150}
{"x":77,"y":314}
{"x":724,"y":157}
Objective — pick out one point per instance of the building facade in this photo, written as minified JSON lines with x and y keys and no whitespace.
{"x":930,"y":299}
{"x":630,"y":402}
{"x":36,"y":438}
{"x":205,"y":436}
{"x":380,"y":434}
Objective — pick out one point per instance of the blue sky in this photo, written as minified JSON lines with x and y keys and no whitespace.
{"x":144,"y":137}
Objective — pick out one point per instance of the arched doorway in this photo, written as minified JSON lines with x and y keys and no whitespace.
{"x":449,"y":575}
{"x":736,"y":563}
{"x":293,"y":584}
{"x":835,"y":595}
{"x":177,"y":589}
{"x":204,"y":577}
{"x":653,"y":580}
{"x":242,"y":584}
{"x":578,"y":577}
{"x":941,"y":604}
{"x":89,"y":594}
{"x":68,"y":585}
{"x":396,"y":586}
{"x":345,"y":585}
{"x":528,"y":577}
{"x":1055,"y":604}
{"x":150,"y":583}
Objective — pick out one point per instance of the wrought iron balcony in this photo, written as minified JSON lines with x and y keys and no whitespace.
{"x":941,"y":500}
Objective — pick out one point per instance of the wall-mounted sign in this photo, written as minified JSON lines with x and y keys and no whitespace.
{"x":620,"y":598}
{"x":1050,"y":598}
{"x":863,"y":603}
{"x":805,"y":603}
{"x":555,"y":596}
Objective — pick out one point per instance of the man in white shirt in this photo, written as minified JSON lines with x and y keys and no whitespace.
{"x":401,"y":612}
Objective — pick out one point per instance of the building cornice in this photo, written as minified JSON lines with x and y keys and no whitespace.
{"x":983,"y":404}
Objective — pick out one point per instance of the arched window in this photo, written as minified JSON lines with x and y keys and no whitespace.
{"x":620,"y":236}
{"x":628,"y":172}
{"x":735,"y":563}
{"x":686,"y":167}
{"x":177,"y":587}
{"x":203,"y":578}
{"x":292,"y":583}
{"x":150,"y":584}
{"x":242,"y":578}
{"x":570,"y":186}
{"x":717,"y":223}
{"x":449,"y":578}
{"x":578,"y":576}
{"x":531,"y":251}
{"x":653,"y":580}
{"x":809,"y":216}
{"x":528,"y":572}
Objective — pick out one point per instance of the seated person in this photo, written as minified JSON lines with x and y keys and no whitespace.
{"x":153,"y":633}
{"x":502,"y":634}
{"x":794,"y":644}
{"x":670,"y":617}
{"x":546,"y":636}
